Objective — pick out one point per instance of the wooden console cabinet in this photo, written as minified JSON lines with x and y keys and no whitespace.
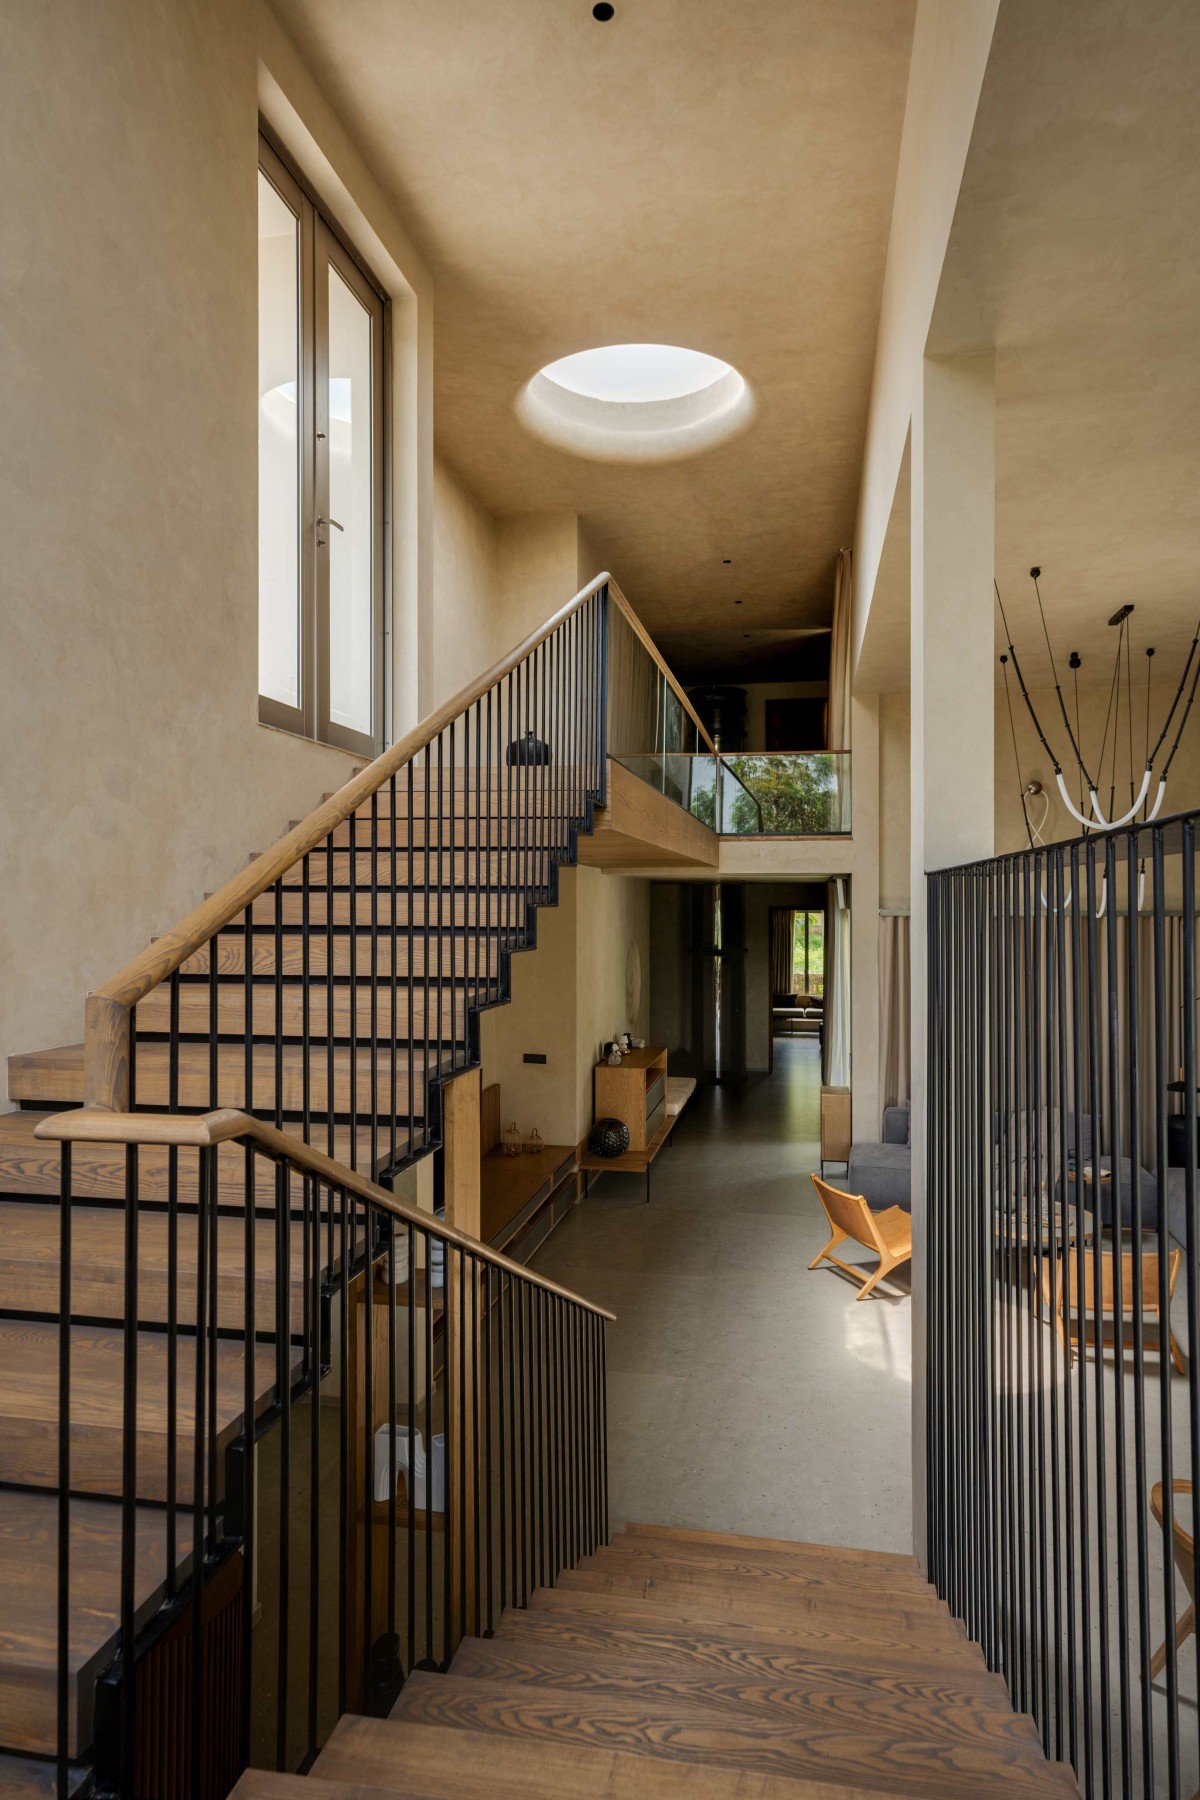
{"x":635,"y":1092}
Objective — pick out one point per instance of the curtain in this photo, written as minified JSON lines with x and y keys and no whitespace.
{"x":838,"y":732}
{"x":894,"y":1066}
{"x":783,"y":937}
{"x":837,"y":987}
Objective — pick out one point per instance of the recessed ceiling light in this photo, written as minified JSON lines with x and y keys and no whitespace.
{"x":603,"y":11}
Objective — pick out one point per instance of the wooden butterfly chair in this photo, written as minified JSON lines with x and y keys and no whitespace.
{"x":888,"y":1233}
{"x":1184,"y":1548}
{"x":1079,"y":1281}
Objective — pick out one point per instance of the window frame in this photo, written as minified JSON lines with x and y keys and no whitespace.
{"x":321,"y":246}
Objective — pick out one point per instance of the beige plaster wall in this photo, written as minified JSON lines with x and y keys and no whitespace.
{"x":568,"y":996}
{"x":537,"y":571}
{"x":464,"y":585}
{"x":894,"y":834}
{"x":136,"y":773}
{"x":951,"y":41}
{"x":614,"y":921}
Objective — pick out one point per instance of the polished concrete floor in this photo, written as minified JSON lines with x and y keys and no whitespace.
{"x":745,"y":1393}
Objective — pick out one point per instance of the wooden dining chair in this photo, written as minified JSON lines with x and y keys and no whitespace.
{"x":1184,"y":1546}
{"x":888,"y":1233}
{"x":1080,"y":1284}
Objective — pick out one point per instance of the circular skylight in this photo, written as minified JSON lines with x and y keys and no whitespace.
{"x":636,"y":403}
{"x":626,"y":372}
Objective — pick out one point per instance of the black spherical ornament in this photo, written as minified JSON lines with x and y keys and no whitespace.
{"x":608,"y":1137}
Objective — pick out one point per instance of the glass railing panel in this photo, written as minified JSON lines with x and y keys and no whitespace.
{"x":756,"y":794}
{"x":785,"y":794}
{"x":692,"y":782}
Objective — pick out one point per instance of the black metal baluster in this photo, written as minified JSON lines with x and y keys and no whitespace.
{"x":1112,"y":974}
{"x":1133,"y":1054}
{"x":1167,"y":1461}
{"x":63,"y":1621}
{"x":283,"y":1395}
{"x":205,"y":1194}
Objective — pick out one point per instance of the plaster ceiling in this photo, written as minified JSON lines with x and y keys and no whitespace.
{"x":694,"y":173}
{"x":1074,"y":252}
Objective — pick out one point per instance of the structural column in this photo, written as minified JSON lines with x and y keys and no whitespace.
{"x":953,"y":675}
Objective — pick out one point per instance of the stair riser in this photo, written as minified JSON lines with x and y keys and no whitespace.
{"x":772,"y":1589}
{"x":505,"y":911}
{"x":498,"y":831}
{"x":153,"y":1085}
{"x":434,"y":867}
{"x":440,"y":955}
{"x":98,"y":1170}
{"x":416,"y":1013}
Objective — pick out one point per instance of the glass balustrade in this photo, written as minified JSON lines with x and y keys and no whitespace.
{"x":755,"y":793}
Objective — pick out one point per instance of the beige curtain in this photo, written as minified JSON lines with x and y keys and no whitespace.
{"x":894,"y":1065}
{"x":839,"y":656}
{"x":783,"y":938}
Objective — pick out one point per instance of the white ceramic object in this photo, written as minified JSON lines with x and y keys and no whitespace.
{"x":417,"y":1486}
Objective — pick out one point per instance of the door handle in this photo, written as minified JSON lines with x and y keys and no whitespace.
{"x":332,"y":522}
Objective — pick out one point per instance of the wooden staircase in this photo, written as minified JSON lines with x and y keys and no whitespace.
{"x":685,"y":1662}
{"x":332,"y":1010}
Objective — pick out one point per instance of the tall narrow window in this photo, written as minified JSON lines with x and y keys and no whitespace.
{"x":320,"y":473}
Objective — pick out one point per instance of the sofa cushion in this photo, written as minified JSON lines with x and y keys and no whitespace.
{"x":881,"y":1173}
{"x":897,"y":1121}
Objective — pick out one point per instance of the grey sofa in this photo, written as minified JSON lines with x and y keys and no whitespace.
{"x":883,"y":1172}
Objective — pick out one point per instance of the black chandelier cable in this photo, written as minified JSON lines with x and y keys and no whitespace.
{"x":1076,"y":665}
{"x":1149,"y":672}
{"x":1024,"y":690}
{"x":1012,"y":726}
{"x":1062,"y":707}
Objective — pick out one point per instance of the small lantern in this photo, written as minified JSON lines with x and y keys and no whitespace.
{"x":533,"y":1142}
{"x":512,"y":1140}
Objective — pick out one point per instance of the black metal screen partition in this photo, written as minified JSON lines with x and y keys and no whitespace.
{"x":1063,"y":1404}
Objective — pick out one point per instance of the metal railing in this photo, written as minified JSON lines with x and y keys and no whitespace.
{"x":1062,"y":1387}
{"x":377,"y":1432}
{"x":265,"y":1065}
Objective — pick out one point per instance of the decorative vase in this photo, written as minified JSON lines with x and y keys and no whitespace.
{"x":527,"y":750}
{"x":614,"y":1056}
{"x":608,"y":1137}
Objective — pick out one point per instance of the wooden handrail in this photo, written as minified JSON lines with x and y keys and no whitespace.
{"x":203,"y":1131}
{"x":107,"y":1011}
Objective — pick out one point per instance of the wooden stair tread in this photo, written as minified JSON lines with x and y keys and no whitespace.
{"x":30,"y":1165}
{"x":767,"y":1637}
{"x":29,"y":1396}
{"x":748,"y":1546}
{"x":709,"y":1650}
{"x":710,"y":1563}
{"x":29,"y":1265}
{"x":23,"y":1778}
{"x":453,"y":1762}
{"x":56,"y":1076}
{"x":838,"y":1747}
{"x":742,"y":1601}
{"x":28,"y":1620}
{"x":394,"y":1015}
{"x":794,"y":1620}
{"x":896,"y":1692}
